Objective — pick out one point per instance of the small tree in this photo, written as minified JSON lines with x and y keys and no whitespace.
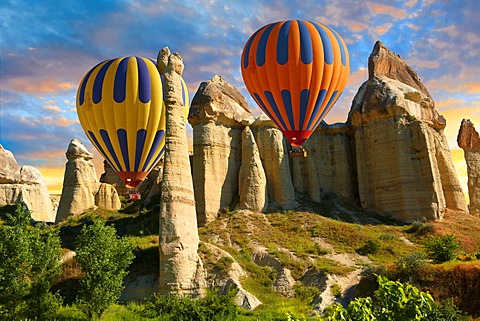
{"x":104,"y":258}
{"x":29,"y":261}
{"x":442,"y":248}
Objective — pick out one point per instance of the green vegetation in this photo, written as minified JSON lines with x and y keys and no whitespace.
{"x":442,"y":248}
{"x":103,"y":258}
{"x":29,"y":261}
{"x":309,"y":240}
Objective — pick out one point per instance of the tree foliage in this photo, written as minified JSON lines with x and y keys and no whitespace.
{"x":29,"y":261}
{"x":442,"y":248}
{"x":103,"y":258}
{"x":392,"y":301}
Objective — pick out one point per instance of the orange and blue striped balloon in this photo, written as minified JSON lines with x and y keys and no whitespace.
{"x":120,"y":107}
{"x":295,"y":70}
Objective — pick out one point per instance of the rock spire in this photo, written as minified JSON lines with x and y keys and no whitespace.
{"x":181,"y":269}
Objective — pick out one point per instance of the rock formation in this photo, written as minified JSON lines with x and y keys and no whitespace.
{"x":24,"y":184}
{"x":329,"y":167}
{"x":216,"y":115}
{"x":181,"y":269}
{"x":469,"y":140}
{"x":272,"y":146}
{"x":109,"y":176}
{"x":252,"y":182}
{"x":81,"y":189}
{"x":404,"y":165}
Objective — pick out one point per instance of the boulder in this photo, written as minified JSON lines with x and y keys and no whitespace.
{"x":252,"y":182}
{"x":24,"y":184}
{"x":272,"y":146}
{"x":469,"y":140}
{"x":181,"y":269}
{"x":216,"y":115}
{"x":404,"y":165}
{"x":81,"y":189}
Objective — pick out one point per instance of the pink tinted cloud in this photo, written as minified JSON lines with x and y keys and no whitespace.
{"x":396,"y":13}
{"x":38,"y":85}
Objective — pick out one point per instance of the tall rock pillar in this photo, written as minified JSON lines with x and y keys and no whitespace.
{"x":180,"y":266}
{"x":469,"y":140}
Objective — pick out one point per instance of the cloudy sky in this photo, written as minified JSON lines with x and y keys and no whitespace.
{"x":47,"y":46}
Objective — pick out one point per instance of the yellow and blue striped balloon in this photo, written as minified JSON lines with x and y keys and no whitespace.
{"x":120,"y":107}
{"x":295,"y":70}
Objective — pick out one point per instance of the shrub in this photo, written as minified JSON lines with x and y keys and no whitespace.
{"x":408,"y":266}
{"x":370,"y":247}
{"x":420,"y":227}
{"x":103,"y":257}
{"x":392,"y":301}
{"x":442,"y":248}
{"x":306,"y":293}
{"x":29,"y":261}
{"x":210,"y":308}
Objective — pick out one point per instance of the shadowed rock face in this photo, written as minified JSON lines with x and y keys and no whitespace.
{"x":404,"y":164}
{"x":24,"y":184}
{"x":216,"y":115}
{"x":469,"y":140}
{"x":81,"y":190}
{"x":181,"y":269}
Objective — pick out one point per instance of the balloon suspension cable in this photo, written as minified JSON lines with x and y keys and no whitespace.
{"x":298,"y":151}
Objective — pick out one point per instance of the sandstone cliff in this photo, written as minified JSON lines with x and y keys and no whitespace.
{"x":24,"y":184}
{"x":469,"y":140}
{"x":216,"y":115}
{"x":81,"y":189}
{"x":404,"y":164}
{"x":181,"y":269}
{"x":329,"y":167}
{"x":273,"y":149}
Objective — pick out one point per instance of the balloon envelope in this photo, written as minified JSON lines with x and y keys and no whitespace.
{"x":120,"y":107}
{"x":295,"y":70}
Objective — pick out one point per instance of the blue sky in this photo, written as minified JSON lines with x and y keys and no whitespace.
{"x":47,"y":46}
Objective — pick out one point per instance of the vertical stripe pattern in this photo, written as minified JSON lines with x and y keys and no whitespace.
{"x":295,"y":70}
{"x":120,"y":107}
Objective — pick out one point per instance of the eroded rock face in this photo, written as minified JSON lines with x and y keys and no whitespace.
{"x":469,"y":140}
{"x":216,"y":115}
{"x":81,"y":189}
{"x":109,"y":176}
{"x":273,"y":150}
{"x":329,"y":167}
{"x":404,"y":165}
{"x":24,"y":184}
{"x":251,"y":179}
{"x":181,"y":269}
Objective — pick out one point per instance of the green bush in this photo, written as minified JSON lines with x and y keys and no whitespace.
{"x":392,"y":300}
{"x":210,"y":308}
{"x":407,"y":267}
{"x":442,"y":248}
{"x":104,"y":258}
{"x":29,"y":261}
{"x":420,"y":227}
{"x":306,"y":293}
{"x":370,"y":247}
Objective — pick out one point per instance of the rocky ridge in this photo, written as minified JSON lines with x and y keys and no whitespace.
{"x":24,"y":184}
{"x":391,"y":156}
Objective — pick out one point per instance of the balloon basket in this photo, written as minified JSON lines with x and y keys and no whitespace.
{"x":133,"y":195}
{"x":298,"y":152}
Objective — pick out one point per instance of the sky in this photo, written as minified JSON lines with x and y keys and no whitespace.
{"x":47,"y":46}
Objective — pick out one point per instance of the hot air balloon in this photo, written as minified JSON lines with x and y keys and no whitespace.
{"x":120,"y":107}
{"x":295,"y":70}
